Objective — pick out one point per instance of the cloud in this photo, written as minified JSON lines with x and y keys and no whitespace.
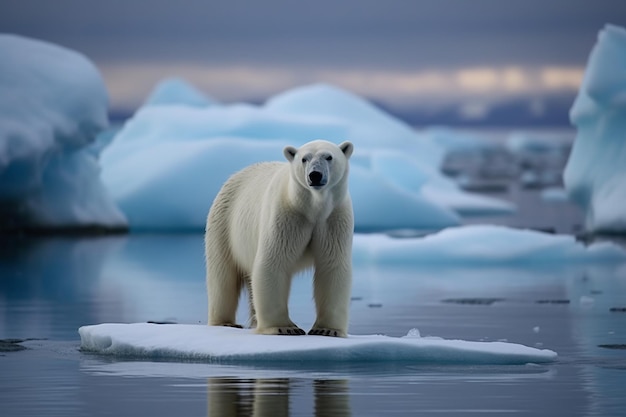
{"x":130,"y":82}
{"x":558,"y":78}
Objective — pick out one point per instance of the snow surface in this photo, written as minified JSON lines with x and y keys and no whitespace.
{"x":53,"y":103}
{"x":224,"y":344}
{"x":167,"y":164}
{"x":483,"y":245}
{"x":595,"y":175}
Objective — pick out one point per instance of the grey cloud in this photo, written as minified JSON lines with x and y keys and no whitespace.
{"x":371,"y":33}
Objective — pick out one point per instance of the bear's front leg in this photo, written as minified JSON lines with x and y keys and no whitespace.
{"x":332,"y":286}
{"x":270,"y":296}
{"x":283,"y":241}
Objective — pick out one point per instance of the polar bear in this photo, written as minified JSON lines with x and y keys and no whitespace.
{"x":270,"y":221}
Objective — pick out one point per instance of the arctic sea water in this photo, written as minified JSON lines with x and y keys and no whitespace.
{"x":52,"y":286}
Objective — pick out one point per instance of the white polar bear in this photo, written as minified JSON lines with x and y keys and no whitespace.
{"x":270,"y":221}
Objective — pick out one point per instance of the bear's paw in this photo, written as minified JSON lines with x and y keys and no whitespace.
{"x":282,"y":331}
{"x":235,"y":325}
{"x":319,"y":331}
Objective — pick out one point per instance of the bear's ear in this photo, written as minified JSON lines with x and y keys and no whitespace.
{"x":346,"y":148}
{"x":290,"y":153}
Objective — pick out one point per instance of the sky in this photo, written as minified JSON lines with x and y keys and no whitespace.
{"x":425,"y":53}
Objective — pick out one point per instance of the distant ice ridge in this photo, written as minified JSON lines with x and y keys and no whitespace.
{"x":169,"y":161}
{"x":173,"y":91}
{"x":595,"y":176}
{"x":52,"y":104}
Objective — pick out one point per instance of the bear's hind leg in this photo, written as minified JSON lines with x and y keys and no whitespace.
{"x":224,"y":285}
{"x":252,"y":316}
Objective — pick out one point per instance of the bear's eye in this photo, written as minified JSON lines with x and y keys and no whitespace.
{"x":329,"y":158}
{"x":304,"y":160}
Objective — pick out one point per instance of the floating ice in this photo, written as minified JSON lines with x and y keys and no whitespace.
{"x":167,"y":164}
{"x":595,"y":176}
{"x":414,"y":332}
{"x":483,"y":245}
{"x":586,"y":300}
{"x":548,"y":144}
{"x":224,"y":344}
{"x":554,"y":194}
{"x":53,"y":103}
{"x":453,"y":140}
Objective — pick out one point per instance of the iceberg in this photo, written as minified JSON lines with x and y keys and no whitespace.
{"x":166,"y":165}
{"x":52,"y":106}
{"x":595,"y":175}
{"x":183,"y":342}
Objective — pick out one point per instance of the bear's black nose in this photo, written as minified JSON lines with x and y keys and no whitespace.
{"x":315,"y":178}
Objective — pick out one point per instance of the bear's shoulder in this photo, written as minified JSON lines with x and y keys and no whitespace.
{"x":254,"y":178}
{"x":258,"y":169}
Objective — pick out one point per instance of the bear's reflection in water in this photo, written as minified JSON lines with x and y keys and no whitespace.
{"x":229,"y":397}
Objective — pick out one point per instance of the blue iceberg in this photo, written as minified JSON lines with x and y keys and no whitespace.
{"x":595,"y":175}
{"x":166,"y":165}
{"x":52,"y":106}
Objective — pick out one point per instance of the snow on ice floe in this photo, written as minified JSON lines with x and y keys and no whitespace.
{"x":53,"y":103}
{"x":595,"y":175}
{"x":168,"y":162}
{"x":483,"y":245}
{"x":224,"y":344}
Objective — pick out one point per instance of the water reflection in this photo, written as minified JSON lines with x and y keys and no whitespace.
{"x":229,"y":397}
{"x":358,"y":388}
{"x":49,"y":286}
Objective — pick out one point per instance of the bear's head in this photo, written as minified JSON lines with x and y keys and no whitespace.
{"x":319,"y":164}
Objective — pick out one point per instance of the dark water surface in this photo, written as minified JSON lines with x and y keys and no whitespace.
{"x":51,"y":286}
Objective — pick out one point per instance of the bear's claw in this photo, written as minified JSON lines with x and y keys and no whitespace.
{"x":288,"y":331}
{"x":235,"y":325}
{"x":325,"y":332}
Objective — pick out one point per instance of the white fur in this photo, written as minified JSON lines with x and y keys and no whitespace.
{"x":267,"y":223}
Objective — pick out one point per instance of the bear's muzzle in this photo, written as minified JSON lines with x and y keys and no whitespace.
{"x":316,"y":179}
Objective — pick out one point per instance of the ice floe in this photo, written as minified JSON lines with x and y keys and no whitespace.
{"x":180,"y":342}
